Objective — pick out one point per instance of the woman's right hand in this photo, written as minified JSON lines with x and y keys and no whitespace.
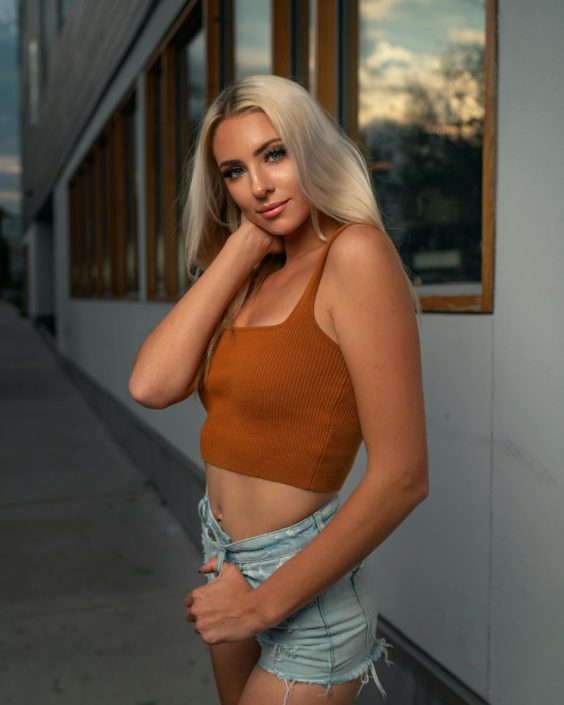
{"x":254,"y":239}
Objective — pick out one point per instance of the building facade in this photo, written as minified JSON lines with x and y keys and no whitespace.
{"x":457,"y":121}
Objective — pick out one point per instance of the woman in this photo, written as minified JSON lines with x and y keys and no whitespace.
{"x":300,"y":337}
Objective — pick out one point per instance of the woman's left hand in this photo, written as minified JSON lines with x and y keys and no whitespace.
{"x":223,"y":609}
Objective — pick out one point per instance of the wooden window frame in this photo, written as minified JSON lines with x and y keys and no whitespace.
{"x":290,"y":30}
{"x":478,"y":303}
{"x":165,"y":55}
{"x":82,"y":206}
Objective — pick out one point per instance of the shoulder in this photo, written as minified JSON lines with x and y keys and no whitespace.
{"x":362,"y":252}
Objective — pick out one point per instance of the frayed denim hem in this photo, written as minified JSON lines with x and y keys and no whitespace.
{"x":365,"y":670}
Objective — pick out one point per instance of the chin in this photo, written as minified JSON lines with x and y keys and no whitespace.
{"x":285,"y":227}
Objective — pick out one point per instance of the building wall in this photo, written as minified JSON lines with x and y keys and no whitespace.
{"x":527,"y":589}
{"x":475,"y":576}
{"x":82,"y":57}
{"x":41,"y":291}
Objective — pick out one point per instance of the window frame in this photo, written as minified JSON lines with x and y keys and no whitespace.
{"x":165,"y":57}
{"x":85,"y":203}
{"x":443,"y":303}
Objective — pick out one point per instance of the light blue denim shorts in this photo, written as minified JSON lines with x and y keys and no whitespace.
{"x":330,"y":640}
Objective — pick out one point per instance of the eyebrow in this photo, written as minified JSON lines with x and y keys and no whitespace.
{"x":257,"y":151}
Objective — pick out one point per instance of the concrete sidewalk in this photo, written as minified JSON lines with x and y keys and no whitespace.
{"x":93,"y":566}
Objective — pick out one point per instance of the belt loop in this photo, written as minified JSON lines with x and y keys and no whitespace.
{"x":318,"y":515}
{"x":220,"y":559}
{"x":319,"y":520}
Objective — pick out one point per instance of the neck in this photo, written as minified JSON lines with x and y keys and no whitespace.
{"x":305,"y":240}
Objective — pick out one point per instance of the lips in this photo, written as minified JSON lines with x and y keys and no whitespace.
{"x":273,"y":209}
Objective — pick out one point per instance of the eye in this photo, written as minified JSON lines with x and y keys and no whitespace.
{"x":233,"y":172}
{"x":275,"y":155}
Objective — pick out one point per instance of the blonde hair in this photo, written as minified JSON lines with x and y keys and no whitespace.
{"x":330,"y":170}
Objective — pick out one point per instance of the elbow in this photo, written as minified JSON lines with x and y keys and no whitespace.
{"x":144,"y":395}
{"x":419,"y":485}
{"x":153,"y":398}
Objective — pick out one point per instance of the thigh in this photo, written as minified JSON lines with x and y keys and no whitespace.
{"x":232,"y":664}
{"x":264,"y":688}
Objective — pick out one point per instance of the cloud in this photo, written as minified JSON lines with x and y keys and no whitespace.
{"x":10,"y":167}
{"x":389,"y":74}
{"x":11,"y":197}
{"x":10,"y":164}
{"x":467,"y":35}
{"x":371,"y":10}
{"x":251,"y":60}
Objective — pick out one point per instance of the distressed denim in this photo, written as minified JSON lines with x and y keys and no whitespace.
{"x":330,"y":640}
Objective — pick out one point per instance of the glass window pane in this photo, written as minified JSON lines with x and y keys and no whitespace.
{"x":421,"y":117}
{"x":158,"y":253}
{"x":253,"y":52}
{"x":130,"y":173}
{"x":43,"y":40}
{"x":92,"y":264}
{"x":105,"y":204}
{"x":312,"y":45}
{"x":190,"y":92}
{"x":33,"y":56}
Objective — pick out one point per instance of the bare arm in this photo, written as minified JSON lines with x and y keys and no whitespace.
{"x":167,"y":362}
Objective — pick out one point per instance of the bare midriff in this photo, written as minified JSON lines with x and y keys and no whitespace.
{"x":247,"y":506}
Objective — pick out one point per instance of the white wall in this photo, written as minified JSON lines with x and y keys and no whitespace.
{"x":527,"y":616}
{"x":432,"y":575}
{"x":41,"y":286}
{"x":476,"y":575}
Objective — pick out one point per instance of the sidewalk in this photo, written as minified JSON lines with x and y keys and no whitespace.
{"x":93,"y":567}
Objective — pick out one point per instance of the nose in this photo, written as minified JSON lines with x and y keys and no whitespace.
{"x":260,"y":183}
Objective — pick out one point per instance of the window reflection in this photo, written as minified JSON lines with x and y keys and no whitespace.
{"x":91,"y":226}
{"x":130,"y":191}
{"x":105,"y":205}
{"x":253,"y":53}
{"x":312,"y":45}
{"x":190,"y":93}
{"x":158,"y":252}
{"x":421,"y":117}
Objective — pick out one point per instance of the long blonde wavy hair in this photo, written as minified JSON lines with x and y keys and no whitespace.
{"x":330,"y":171}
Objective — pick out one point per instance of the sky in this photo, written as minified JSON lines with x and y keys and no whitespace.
{"x":404,"y":42}
{"x":10,"y":163}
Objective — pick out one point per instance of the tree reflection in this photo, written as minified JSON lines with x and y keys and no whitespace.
{"x":427,"y":169}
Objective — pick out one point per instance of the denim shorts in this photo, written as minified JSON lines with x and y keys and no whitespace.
{"x":330,"y":640}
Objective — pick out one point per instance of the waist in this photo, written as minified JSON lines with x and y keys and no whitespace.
{"x":250,"y":548}
{"x":247,"y":506}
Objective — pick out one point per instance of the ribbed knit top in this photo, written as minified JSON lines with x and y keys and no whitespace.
{"x":280,"y":401}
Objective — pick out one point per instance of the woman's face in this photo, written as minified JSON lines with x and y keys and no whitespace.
{"x":259,"y":174}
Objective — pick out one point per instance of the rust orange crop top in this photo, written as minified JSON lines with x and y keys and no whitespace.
{"x":280,"y":401}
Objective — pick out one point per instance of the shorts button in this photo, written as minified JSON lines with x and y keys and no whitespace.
{"x":211,"y":534}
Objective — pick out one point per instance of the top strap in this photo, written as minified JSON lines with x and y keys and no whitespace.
{"x":318,"y":271}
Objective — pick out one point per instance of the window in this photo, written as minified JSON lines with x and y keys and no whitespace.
{"x":62,"y":9}
{"x":190,"y":105}
{"x":33,"y":56}
{"x":252,"y":37}
{"x":103,"y":212}
{"x":424,"y":114}
{"x":43,"y":41}
{"x":175,"y":100}
{"x":128,"y":142}
{"x":291,"y":40}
